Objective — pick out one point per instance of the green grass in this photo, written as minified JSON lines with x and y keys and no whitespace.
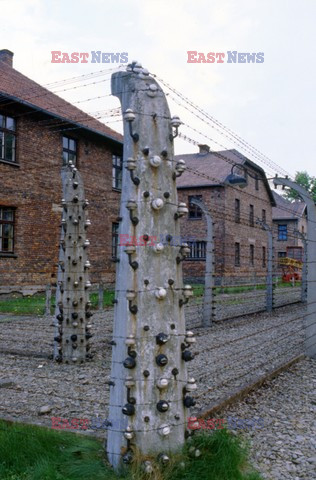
{"x":35,"y":453}
{"x":35,"y":304}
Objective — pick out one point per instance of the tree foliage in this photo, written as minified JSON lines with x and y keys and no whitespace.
{"x":305,"y":180}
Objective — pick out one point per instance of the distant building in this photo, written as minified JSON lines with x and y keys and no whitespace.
{"x":241,"y":246}
{"x":288,"y":218}
{"x":40,"y":131}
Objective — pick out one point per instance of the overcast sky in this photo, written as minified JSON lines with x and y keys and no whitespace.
{"x":271,"y":105}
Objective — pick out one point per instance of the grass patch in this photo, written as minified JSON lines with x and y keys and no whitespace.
{"x":34,"y":453}
{"x":35,"y":304}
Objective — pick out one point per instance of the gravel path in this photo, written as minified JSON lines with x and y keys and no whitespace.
{"x":285,"y":448}
{"x":228,"y":355}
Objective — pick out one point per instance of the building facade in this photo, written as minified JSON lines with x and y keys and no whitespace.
{"x":289,"y":221}
{"x":240,"y":244}
{"x":39,"y":132}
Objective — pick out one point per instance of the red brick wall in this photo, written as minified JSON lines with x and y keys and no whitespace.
{"x":221,"y":203}
{"x":34,"y":188}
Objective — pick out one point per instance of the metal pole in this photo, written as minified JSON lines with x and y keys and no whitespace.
{"x":270,"y":299}
{"x":310,"y":319}
{"x":208,"y":306}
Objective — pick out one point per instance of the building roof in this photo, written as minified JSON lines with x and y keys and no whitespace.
{"x":212,"y":168}
{"x":286,"y":210}
{"x":19,"y":88}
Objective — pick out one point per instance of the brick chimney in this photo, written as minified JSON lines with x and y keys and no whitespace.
{"x":203,"y":149}
{"x":6,"y":56}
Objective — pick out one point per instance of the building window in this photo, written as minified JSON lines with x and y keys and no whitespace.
{"x":117,"y":172}
{"x":194,"y":210}
{"x":237,"y":254}
{"x":282,"y":233}
{"x":198,"y":250}
{"x":303,"y":229}
{"x":6,"y":230}
{"x":264,"y":257}
{"x":251,"y":215}
{"x":281,"y":255}
{"x":257,"y":182}
{"x":237,"y":210}
{"x":69,"y":151}
{"x":115,"y":237}
{"x":252,"y":255}
{"x":264,"y":215}
{"x":7,"y":139}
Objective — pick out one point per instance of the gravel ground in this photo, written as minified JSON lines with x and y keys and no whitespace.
{"x":228,"y":355}
{"x":285,"y":447}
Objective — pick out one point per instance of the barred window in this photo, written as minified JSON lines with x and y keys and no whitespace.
{"x":197,"y":250}
{"x":252,"y":255}
{"x":237,"y":210}
{"x":117,"y":172}
{"x":115,"y":229}
{"x":282,"y":233}
{"x":7,"y":139}
{"x":237,"y":254}
{"x":251,"y":215}
{"x":264,"y":257}
{"x":7,"y":229}
{"x":194,"y":210}
{"x":69,"y":151}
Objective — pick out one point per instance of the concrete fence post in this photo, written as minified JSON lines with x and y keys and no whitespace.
{"x":302,"y":236}
{"x":149,"y":390}
{"x":73,"y":327}
{"x":48,"y":297}
{"x":270,"y":289}
{"x":208,"y":303}
{"x":100,"y":296}
{"x":310,"y":319}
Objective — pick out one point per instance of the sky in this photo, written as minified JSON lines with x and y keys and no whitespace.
{"x":269,"y":105}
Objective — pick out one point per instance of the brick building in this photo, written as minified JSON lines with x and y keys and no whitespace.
{"x":288,"y":217}
{"x":240,"y":245}
{"x":40,"y":131}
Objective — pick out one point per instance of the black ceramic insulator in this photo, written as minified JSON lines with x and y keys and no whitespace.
{"x":162,"y":406}
{"x":74,"y":338}
{"x":133,"y":309}
{"x":128,"y":409}
{"x":161,"y":360}
{"x":57,"y":339}
{"x":189,"y":402}
{"x":60,"y":317}
{"x":129,"y":362}
{"x":146,"y":373}
{"x":74,"y":315}
{"x":162,"y":338}
{"x":187,"y":356}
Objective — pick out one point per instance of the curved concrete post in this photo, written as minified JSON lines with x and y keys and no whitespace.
{"x":310,"y":319}
{"x":269,"y":264}
{"x":304,"y":270}
{"x":209,"y":280}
